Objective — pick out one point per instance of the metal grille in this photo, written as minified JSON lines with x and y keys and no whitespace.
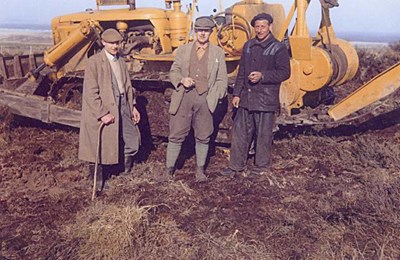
{"x":112,"y":2}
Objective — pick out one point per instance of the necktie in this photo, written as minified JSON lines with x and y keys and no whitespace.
{"x":200,"y":52}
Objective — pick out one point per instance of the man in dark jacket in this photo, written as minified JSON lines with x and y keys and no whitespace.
{"x":264,"y":64}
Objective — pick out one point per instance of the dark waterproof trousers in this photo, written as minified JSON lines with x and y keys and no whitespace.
{"x":246,"y":126}
{"x":129,"y":135}
{"x":130,"y":132}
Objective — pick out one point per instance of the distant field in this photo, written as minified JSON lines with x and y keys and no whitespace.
{"x":23,"y":41}
{"x":19,"y":41}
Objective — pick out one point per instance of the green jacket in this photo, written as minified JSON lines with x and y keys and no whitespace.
{"x":217,"y":76}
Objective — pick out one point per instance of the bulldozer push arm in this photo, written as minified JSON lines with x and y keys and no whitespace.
{"x":23,"y":101}
{"x":59,"y":54}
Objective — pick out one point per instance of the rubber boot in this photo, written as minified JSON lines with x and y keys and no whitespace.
{"x":90,"y":171}
{"x":99,"y":179}
{"x":173,"y":150}
{"x":201,"y":154}
{"x":201,"y":157}
{"x":128,"y":161}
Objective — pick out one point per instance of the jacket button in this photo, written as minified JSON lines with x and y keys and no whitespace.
{"x":249,"y":90}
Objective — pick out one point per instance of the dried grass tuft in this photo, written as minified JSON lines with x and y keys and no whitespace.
{"x":108,"y":231}
{"x":164,"y":239}
{"x":231,"y":247}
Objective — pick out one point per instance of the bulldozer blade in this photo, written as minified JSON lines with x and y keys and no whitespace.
{"x":38,"y":108}
{"x":377,"y":88}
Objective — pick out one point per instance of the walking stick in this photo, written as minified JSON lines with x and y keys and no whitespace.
{"x":96,"y":164}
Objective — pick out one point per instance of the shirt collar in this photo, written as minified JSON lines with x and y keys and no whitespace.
{"x":263,"y":43}
{"x":111,"y":57}
{"x":205,"y":46}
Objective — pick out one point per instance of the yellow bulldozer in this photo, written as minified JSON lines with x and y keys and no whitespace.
{"x":48,"y":86}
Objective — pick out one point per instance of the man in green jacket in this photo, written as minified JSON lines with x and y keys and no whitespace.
{"x":200,"y":80}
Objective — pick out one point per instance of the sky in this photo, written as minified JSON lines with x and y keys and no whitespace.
{"x":359,"y":16}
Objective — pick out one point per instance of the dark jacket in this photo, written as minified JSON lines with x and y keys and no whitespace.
{"x":271,"y":58}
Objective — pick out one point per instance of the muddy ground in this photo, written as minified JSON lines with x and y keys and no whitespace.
{"x":332,"y":194}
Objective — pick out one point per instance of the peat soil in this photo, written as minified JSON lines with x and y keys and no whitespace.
{"x":331,"y":194}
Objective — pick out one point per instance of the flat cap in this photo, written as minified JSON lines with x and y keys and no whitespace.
{"x":262,"y":16}
{"x":111,"y":35}
{"x":203,"y":22}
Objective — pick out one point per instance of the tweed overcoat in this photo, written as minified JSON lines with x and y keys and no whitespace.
{"x":97,"y":101}
{"x":217,"y":76}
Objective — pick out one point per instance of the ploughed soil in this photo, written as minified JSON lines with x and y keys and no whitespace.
{"x":331,"y":194}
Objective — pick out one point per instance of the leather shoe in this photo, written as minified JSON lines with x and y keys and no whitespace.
{"x":228,"y":172}
{"x":258,"y":172}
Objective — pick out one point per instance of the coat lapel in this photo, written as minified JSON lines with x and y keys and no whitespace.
{"x":211,"y":60}
{"x":186,"y":59}
{"x":123,"y":71}
{"x":106,"y":67}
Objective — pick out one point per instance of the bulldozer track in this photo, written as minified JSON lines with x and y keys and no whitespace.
{"x":68,"y":99}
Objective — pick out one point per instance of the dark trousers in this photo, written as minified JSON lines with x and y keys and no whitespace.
{"x":130,"y":132}
{"x":129,"y":139}
{"x":246,"y":126}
